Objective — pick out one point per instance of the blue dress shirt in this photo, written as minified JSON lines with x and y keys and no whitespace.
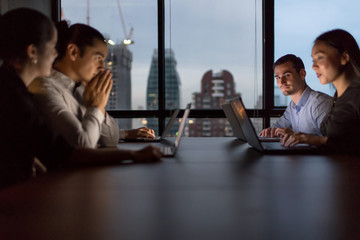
{"x":307,"y":115}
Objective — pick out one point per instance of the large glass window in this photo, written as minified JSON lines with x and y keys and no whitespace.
{"x":133,"y":64}
{"x":214,"y":53}
{"x":210,"y":56}
{"x":298,"y":23}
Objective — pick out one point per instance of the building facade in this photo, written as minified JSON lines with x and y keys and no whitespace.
{"x":216,"y":88}
{"x":119,"y":61}
{"x":172,"y":88}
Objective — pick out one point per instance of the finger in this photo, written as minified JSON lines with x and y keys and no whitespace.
{"x":106,"y":81}
{"x":293,"y":142}
{"x":287,"y":142}
{"x":268,"y":131}
{"x":93,"y":82}
{"x":147,"y":132}
{"x":109,"y":87}
{"x":284,"y":139}
{"x":265,"y":132}
{"x":279,"y":132}
{"x":272,"y":132}
{"x":103,"y":78}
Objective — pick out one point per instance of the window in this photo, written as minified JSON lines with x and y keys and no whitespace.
{"x":182,"y":47}
{"x":213,"y":48}
{"x":134,"y":64}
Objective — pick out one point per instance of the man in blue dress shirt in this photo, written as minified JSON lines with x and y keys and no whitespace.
{"x":307,"y":109}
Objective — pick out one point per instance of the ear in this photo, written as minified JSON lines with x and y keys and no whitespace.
{"x":32,"y":52}
{"x":345,"y":58}
{"x":73,"y":51}
{"x":302,"y":73}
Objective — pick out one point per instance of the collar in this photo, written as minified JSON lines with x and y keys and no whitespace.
{"x":303,"y":99}
{"x":62,"y":79}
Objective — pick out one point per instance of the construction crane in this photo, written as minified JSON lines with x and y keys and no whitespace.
{"x":127,"y":40}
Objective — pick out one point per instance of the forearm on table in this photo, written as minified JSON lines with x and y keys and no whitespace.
{"x":103,"y":156}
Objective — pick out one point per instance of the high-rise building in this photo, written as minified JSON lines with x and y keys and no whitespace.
{"x":119,"y":62}
{"x":172,"y":88}
{"x":216,"y":88}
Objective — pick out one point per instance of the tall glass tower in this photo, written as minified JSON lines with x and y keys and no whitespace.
{"x":172,"y":88}
{"x":119,"y":62}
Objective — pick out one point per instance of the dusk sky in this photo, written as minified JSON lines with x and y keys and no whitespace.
{"x":223,"y":38}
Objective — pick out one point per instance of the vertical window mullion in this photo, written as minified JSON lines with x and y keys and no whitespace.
{"x":161,"y":64}
{"x":268,"y":58}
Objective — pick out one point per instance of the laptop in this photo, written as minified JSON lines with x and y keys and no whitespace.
{"x":232,"y":116}
{"x":169,"y":148}
{"x":163,"y":135}
{"x":267,"y":147}
{"x":235,"y":125}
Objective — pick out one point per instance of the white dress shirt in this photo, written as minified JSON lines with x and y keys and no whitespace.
{"x":63,"y":107}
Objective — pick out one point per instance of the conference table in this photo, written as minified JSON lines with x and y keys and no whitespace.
{"x":214,"y":188}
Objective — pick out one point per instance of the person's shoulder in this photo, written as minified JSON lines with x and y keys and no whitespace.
{"x":48,"y":85}
{"x":320,"y":96}
{"x":41,"y":85}
{"x":355,"y":85}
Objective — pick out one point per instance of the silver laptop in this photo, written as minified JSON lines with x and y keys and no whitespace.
{"x":249,"y":131}
{"x":163,"y":135}
{"x":233,"y":118}
{"x":169,"y":148}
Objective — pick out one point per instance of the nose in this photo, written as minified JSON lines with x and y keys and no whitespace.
{"x":101,"y":65}
{"x":283,"y":79}
{"x":314,"y":66}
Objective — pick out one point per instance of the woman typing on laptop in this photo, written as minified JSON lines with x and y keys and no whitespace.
{"x":336,"y":60}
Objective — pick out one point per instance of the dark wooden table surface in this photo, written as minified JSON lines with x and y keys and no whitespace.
{"x":215,"y":188}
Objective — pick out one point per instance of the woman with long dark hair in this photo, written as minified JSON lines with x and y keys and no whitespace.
{"x":336,"y":60}
{"x":27,"y":49}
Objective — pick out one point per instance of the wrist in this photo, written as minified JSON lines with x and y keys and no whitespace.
{"x":103,"y":111}
{"x":317,"y":140}
{"x":323,"y":140}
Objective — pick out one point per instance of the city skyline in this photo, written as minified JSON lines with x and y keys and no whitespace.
{"x":196,"y":51}
{"x":229,"y":38}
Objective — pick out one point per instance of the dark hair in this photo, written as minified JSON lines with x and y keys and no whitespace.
{"x":80,"y":34}
{"x":20,"y":28}
{"x":344,"y":42}
{"x":296,"y":61}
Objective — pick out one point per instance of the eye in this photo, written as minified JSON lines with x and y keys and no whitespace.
{"x":319,"y":58}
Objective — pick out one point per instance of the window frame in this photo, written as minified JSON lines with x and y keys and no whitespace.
{"x":268,"y":111}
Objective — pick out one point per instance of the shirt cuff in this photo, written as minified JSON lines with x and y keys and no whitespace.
{"x":122,"y":133}
{"x":96,"y":112}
